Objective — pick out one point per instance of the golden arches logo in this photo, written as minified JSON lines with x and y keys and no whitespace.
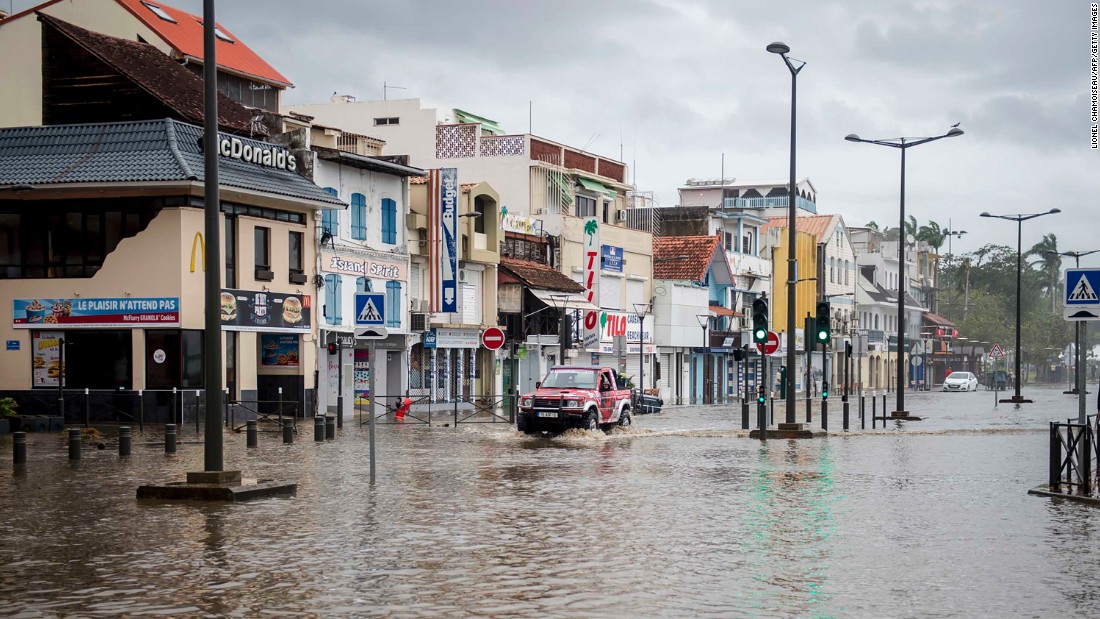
{"x":200,"y":244}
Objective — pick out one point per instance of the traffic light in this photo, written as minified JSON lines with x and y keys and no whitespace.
{"x":760,"y":398}
{"x":333,"y":348}
{"x":822,"y":323}
{"x":825,"y":390}
{"x":760,"y":321}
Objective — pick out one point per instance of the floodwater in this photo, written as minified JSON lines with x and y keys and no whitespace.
{"x":679,"y":516}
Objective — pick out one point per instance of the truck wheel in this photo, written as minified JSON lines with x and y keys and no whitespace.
{"x":521,"y":424}
{"x":625,"y":418}
{"x":592,"y":421}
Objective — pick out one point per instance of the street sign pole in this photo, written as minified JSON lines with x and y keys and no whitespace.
{"x":373,"y":350}
{"x":1082,"y":416}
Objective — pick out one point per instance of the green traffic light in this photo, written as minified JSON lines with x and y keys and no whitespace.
{"x":822,"y":335}
{"x":761,"y":334}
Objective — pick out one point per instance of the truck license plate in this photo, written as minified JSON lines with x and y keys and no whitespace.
{"x":545,"y":414}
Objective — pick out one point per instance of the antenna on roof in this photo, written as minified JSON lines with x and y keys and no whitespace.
{"x":386,"y":88}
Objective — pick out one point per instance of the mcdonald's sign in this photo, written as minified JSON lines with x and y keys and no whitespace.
{"x":199,"y":244}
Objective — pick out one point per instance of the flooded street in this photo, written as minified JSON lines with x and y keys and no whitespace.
{"x":678,"y":516}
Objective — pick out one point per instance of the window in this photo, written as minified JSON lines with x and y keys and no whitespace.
{"x":729,"y":241}
{"x":362,"y":284}
{"x":746,"y":243}
{"x":218,"y":33}
{"x":230,"y":251}
{"x":159,"y":12}
{"x":263,"y":254}
{"x":393,"y":304}
{"x":332,"y":299}
{"x":358,"y":217}
{"x":330,"y":221}
{"x":389,"y":221}
{"x":296,"y":253}
{"x":606,"y":212}
{"x":182,"y":365}
{"x":586,"y":206}
{"x":390,"y":120}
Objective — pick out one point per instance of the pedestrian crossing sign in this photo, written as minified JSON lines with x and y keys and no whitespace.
{"x":370,"y":308}
{"x":1082,"y":294}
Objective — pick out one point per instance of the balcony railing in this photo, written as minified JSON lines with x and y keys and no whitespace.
{"x":772,"y":202}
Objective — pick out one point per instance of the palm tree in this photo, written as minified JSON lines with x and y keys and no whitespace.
{"x":1049,"y":262}
{"x":911,"y":227}
{"x":872,"y":225}
{"x":932,"y":234}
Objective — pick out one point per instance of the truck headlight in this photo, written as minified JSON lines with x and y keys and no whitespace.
{"x":525,"y":402}
{"x":572,"y":404}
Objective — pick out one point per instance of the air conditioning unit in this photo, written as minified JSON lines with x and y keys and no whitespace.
{"x":424,"y":305}
{"x":418,"y":322}
{"x":620,"y":215}
{"x":462,"y":275}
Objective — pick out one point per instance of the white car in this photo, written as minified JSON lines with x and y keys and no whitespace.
{"x":960,"y":381}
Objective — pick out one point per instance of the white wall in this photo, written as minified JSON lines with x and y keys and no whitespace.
{"x":675,"y":322}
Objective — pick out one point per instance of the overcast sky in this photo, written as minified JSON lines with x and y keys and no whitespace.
{"x":684,"y":81}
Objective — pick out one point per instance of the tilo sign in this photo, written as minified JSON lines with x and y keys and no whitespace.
{"x":625,"y":325}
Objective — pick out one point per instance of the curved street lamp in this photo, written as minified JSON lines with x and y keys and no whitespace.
{"x":792,"y":264}
{"x":903,"y":143}
{"x":1019,"y":219}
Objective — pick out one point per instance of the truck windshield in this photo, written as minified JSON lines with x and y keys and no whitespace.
{"x":570,"y":379}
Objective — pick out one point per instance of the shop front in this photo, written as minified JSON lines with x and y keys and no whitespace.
{"x":450,"y":365}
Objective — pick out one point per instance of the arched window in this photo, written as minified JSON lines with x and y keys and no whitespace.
{"x":358,"y":217}
{"x":389,"y":221}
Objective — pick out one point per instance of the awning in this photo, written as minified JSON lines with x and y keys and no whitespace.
{"x":718,"y":310}
{"x":596,"y":186}
{"x":488,"y":126}
{"x":573,"y":301}
{"x":558,"y":179}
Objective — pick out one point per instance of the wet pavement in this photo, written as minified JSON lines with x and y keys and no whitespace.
{"x":678,"y":516}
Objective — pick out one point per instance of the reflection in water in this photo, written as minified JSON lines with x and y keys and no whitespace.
{"x":676,"y":517}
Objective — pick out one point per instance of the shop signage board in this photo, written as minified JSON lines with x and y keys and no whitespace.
{"x":369,"y":265}
{"x":443,"y":238}
{"x":13,"y":344}
{"x":511,"y":222}
{"x":612,"y":258}
{"x":591,"y":259}
{"x":91,"y":312}
{"x":457,"y":338}
{"x":46,"y":367}
{"x":280,"y":350}
{"x":258,"y":310}
{"x":619,"y":324}
{"x":429,"y":339}
{"x":1082,"y":294}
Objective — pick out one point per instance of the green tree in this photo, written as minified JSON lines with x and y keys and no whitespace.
{"x":1048,"y":261}
{"x":932,"y":234}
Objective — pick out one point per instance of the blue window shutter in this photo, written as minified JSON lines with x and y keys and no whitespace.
{"x":393,"y":304}
{"x":339,"y":298}
{"x":389,"y":221}
{"x":331,"y":299}
{"x":360,"y":284}
{"x":330,"y":219}
{"x":358,"y":216}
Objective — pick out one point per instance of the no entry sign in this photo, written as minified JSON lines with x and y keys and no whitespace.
{"x":492,"y":338}
{"x":772,"y":345}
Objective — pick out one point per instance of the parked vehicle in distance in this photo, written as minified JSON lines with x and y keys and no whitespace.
{"x":575,"y":397}
{"x":961,"y":381}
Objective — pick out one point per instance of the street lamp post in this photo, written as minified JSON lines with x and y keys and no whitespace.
{"x":704,"y":322}
{"x":902,"y":143}
{"x":1019,"y":219}
{"x":792,"y":263}
{"x":640,"y":310}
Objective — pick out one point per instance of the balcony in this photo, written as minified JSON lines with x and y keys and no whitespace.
{"x":773,"y":202}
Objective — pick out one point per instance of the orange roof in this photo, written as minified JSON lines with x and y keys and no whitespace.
{"x":816,"y":225}
{"x":683,"y":257}
{"x":185,"y":37}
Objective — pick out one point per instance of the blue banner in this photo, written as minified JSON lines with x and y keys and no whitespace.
{"x":612,"y":258}
{"x":448,"y":211}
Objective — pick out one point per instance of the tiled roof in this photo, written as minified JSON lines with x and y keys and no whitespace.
{"x":185,"y":36}
{"x":718,"y":310}
{"x":683,"y":257}
{"x":141,"y":151}
{"x":539,"y":276}
{"x":936,"y":319}
{"x":155,"y":73}
{"x":817,"y":225}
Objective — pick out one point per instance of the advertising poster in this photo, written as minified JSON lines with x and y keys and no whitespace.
{"x":591,"y":283}
{"x":279,"y":350}
{"x":91,"y":312}
{"x":361,"y":375}
{"x":254,"y":310}
{"x":46,"y":358}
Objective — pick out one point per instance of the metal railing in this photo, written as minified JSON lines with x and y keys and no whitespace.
{"x":405,"y":409}
{"x":1071,"y":451}
{"x":262,"y":409}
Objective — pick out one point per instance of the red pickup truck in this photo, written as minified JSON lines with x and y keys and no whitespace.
{"x":575,"y":397}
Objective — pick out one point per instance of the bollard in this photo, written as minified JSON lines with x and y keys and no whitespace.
{"x":319,"y":429}
{"x":124,"y":440}
{"x":824,"y":414}
{"x":19,"y":447}
{"x":330,"y":427}
{"x":874,"y":411}
{"x":744,"y":414}
{"x":74,"y":444}
{"x":251,"y":434}
{"x":771,"y":409}
{"x":169,"y":438}
{"x":288,"y":434}
{"x":844,"y":406}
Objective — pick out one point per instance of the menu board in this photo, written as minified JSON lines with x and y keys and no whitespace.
{"x":46,"y":358}
{"x":279,"y":350}
{"x":255,"y":310}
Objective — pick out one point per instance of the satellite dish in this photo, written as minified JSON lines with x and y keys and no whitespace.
{"x":910,"y":239}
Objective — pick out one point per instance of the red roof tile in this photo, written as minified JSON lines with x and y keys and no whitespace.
{"x":816,"y":225}
{"x":185,"y":36}
{"x":540,"y":276}
{"x":724,"y":311}
{"x":683,"y":257}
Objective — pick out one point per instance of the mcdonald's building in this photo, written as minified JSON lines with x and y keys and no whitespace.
{"x":102,"y":267}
